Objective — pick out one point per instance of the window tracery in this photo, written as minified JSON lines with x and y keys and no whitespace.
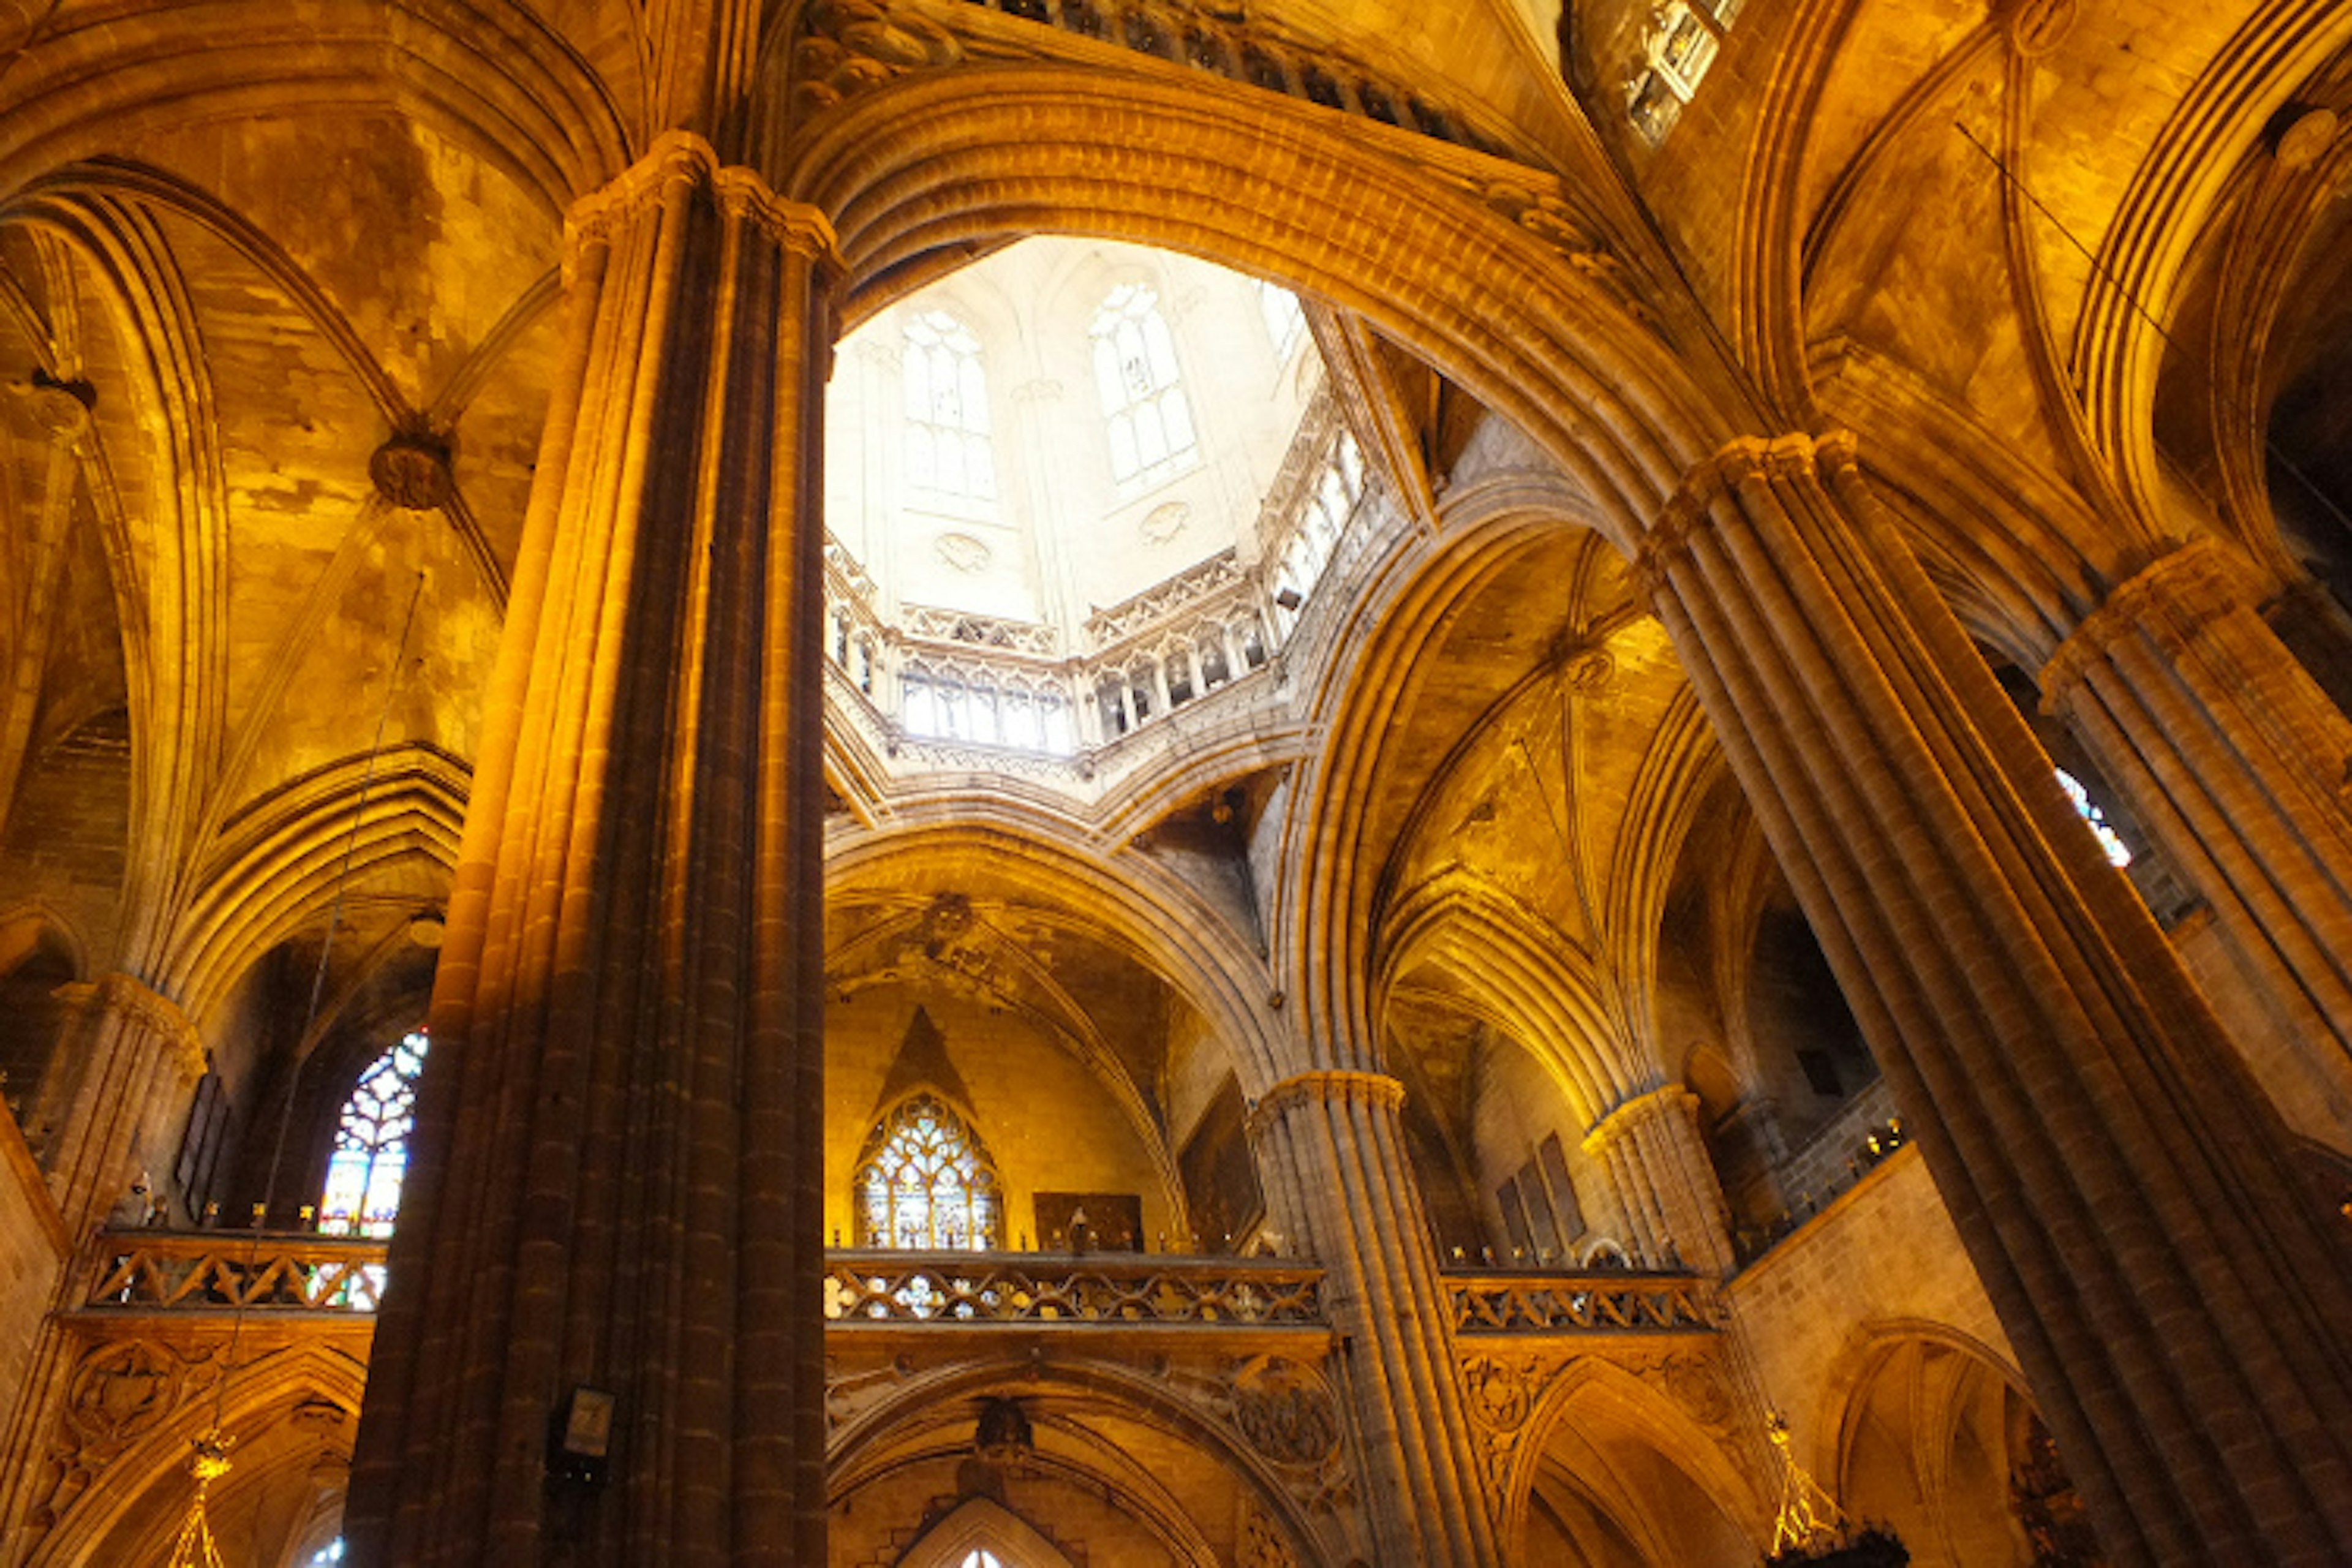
{"x":362,"y":1196}
{"x":2118,"y":853}
{"x":1136,"y":377}
{"x":1286,"y":319}
{"x":1682,"y":41}
{"x":949,"y":454}
{"x":925,"y":1183}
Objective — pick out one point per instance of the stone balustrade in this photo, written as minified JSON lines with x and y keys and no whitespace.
{"x":223,"y":1271}
{"x":1584,"y":1303}
{"x":873,"y":1286}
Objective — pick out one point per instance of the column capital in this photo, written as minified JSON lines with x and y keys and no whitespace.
{"x":2170,"y":599}
{"x":1332,"y":1086}
{"x":1741,"y":460}
{"x":1631,"y":1113}
{"x":680,"y":158}
{"x":133,"y":999}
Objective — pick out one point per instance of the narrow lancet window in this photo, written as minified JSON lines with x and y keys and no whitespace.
{"x":949,"y":456}
{"x":371,"y":1152}
{"x":1150,"y":424}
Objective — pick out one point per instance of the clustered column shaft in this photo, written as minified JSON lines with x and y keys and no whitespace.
{"x":2181,"y":1310}
{"x":616,"y":1168}
{"x":2234,"y":761}
{"x":1334,"y":1140}
{"x":1665,"y":1185}
{"x":117,"y":1097}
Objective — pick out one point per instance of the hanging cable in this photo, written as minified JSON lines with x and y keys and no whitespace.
{"x":194,"y":1547}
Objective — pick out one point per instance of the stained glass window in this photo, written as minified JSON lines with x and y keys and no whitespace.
{"x":371,"y":1154}
{"x":2118,"y":853}
{"x":948,"y":449}
{"x":1151,"y":435}
{"x":925,"y":1183}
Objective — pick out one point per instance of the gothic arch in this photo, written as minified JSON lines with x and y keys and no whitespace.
{"x":931,"y":163}
{"x":278,"y":868}
{"x":132,"y":1512}
{"x":982,"y":1522}
{"x":930,"y":1404}
{"x":1596,"y":1404}
{"x":1920,"y":1427}
{"x":511,"y":92}
{"x":1136,"y":908}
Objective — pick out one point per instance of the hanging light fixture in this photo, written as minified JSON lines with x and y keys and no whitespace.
{"x":194,"y":1548}
{"x":1811,"y":1531}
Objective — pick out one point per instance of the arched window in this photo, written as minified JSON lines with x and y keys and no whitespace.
{"x":926,"y":1183}
{"x":981,"y":1557}
{"x":1135,"y":375}
{"x":1286,"y":322}
{"x":949,"y":454}
{"x":2119,"y":854}
{"x":363,"y":1174}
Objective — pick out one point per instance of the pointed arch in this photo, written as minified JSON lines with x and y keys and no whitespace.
{"x":982,"y":1525}
{"x":925,"y":1181}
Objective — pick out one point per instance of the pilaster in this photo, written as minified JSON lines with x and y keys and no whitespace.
{"x":2182,"y":1311}
{"x":2234,"y":760}
{"x":614,"y":1182}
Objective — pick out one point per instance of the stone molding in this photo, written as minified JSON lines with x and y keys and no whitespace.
{"x":134,"y":1000}
{"x":2170,"y":600}
{"x":1334,"y":1086}
{"x":1831,"y":455}
{"x":681,"y":159}
{"x":1629,"y":1115}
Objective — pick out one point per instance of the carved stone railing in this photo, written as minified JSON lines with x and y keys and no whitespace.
{"x":876,"y":1287}
{"x":224,"y":1271}
{"x":962,"y":628}
{"x":1591,"y":1303}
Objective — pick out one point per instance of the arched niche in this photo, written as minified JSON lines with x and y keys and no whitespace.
{"x":1112,"y":1463}
{"x":1938,"y":1441}
{"x":37,"y":957}
{"x":1616,"y":1476}
{"x":982,"y":1525}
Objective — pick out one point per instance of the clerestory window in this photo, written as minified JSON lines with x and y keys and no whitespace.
{"x":1286,"y":321}
{"x":925,"y":1183}
{"x":371,"y":1152}
{"x":1136,"y":377}
{"x":949,"y":455}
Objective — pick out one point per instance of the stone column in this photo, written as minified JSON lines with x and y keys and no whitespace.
{"x":1657,"y":1162}
{"x":2181,"y":1309}
{"x":2235,"y":761}
{"x":115,"y":1100}
{"x":616,"y":1182}
{"x":1334,"y":1142}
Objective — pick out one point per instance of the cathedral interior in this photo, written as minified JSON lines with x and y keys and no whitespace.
{"x":1225,"y":783}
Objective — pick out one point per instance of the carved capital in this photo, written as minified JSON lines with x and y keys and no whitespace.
{"x":1329,"y":1088}
{"x":1831,"y":458}
{"x":1666,"y":1099}
{"x":681,"y":160}
{"x":2170,"y":600}
{"x":132,"y":1000}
